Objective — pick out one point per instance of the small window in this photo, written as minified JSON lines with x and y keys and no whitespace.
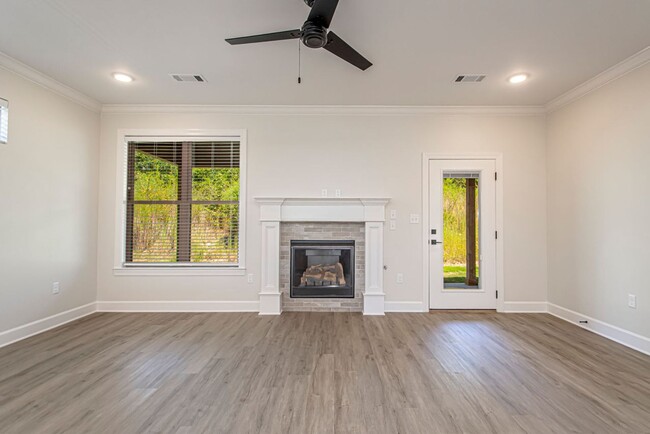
{"x":4,"y":120}
{"x":182,"y":203}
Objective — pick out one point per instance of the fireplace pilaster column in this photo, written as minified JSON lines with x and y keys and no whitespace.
{"x":374,"y":211}
{"x":373,"y":297}
{"x":270,"y":295}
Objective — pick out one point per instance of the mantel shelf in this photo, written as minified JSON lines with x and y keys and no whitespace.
{"x":320,"y":199}
{"x":322,"y":209}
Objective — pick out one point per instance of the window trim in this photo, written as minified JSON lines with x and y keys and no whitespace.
{"x":199,"y":269}
{"x":4,"y":121}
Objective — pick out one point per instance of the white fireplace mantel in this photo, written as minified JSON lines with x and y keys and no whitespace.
{"x":274,"y":210}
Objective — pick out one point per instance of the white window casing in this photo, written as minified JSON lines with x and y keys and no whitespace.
{"x":4,"y":120}
{"x":124,"y":262}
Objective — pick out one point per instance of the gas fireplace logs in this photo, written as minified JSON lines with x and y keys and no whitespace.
{"x":322,"y":275}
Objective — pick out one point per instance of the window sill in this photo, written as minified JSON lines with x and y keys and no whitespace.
{"x":178,"y":271}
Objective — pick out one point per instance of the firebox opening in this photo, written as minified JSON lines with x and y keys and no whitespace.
{"x":322,"y":269}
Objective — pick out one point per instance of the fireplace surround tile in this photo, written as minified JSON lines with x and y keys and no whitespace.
{"x":322,"y":231}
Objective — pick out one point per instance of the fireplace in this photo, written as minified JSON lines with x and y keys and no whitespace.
{"x":322,"y":269}
{"x":284,"y":219}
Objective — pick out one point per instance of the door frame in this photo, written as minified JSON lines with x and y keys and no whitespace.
{"x":426,"y":260}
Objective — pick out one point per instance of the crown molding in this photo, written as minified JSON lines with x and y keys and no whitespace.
{"x":617,"y":71}
{"x":29,"y":73}
{"x":323,"y":110}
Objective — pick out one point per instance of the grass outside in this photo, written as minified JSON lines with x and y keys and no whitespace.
{"x":455,"y":273}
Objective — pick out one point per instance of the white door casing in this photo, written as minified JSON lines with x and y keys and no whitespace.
{"x":485,"y":296}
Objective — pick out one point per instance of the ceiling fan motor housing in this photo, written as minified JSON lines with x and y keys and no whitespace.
{"x":313,"y":35}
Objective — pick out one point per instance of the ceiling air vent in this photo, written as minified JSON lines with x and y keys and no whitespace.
{"x":470,"y":78}
{"x":189,"y":78}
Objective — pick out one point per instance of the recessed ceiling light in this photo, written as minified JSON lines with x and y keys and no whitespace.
{"x":124,"y":78}
{"x":518,"y":78}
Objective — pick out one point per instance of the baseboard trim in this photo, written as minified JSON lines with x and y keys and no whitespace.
{"x":405,"y":306}
{"x":178,"y":306}
{"x":42,"y":325}
{"x":616,"y":334}
{"x":525,"y":307}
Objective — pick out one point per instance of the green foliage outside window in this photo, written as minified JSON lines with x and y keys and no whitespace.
{"x":215,"y":234}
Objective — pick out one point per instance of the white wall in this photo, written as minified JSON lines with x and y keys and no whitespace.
{"x":48,"y":189}
{"x":599,"y":203}
{"x":588,"y":160}
{"x":364,"y":155}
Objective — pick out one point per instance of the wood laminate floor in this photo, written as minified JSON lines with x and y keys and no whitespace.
{"x":444,"y":372}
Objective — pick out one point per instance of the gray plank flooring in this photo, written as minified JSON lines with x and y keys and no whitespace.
{"x":442,"y":372}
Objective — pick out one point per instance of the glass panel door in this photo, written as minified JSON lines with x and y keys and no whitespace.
{"x":461,"y":246}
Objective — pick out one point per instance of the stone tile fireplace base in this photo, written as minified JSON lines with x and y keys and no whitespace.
{"x":322,"y":231}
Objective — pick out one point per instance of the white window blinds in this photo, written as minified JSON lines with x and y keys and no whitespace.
{"x":4,"y":120}
{"x":182,"y":203}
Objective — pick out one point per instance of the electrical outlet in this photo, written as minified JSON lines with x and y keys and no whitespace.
{"x":337,"y":193}
{"x":414,"y":219}
{"x":250,"y":278}
{"x":631,"y":301}
{"x":56,"y":287}
{"x":323,"y":192}
{"x":392,"y":225}
{"x":400,"y":278}
{"x":393,"y":213}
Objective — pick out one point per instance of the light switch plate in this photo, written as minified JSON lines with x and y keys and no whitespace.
{"x":56,"y":287}
{"x":323,"y":192}
{"x":400,"y":278}
{"x":392,"y":225}
{"x":414,"y":219}
{"x":393,"y":213}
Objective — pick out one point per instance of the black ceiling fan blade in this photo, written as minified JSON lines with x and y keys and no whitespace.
{"x":339,"y":47}
{"x":322,"y":12}
{"x":267,"y":37}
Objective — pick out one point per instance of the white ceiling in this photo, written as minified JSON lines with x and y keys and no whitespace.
{"x":417,"y":47}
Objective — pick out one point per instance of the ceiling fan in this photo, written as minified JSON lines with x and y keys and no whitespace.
{"x":314,"y":34}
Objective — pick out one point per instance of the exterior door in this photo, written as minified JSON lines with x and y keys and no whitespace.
{"x":462,"y":234}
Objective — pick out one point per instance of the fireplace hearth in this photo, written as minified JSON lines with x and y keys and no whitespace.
{"x":322,"y":269}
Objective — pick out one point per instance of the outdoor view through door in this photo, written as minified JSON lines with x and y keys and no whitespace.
{"x":182,"y":203}
{"x":461,"y":225}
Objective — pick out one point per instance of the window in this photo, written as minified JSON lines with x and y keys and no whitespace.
{"x":182,"y":202}
{"x":4,"y":120}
